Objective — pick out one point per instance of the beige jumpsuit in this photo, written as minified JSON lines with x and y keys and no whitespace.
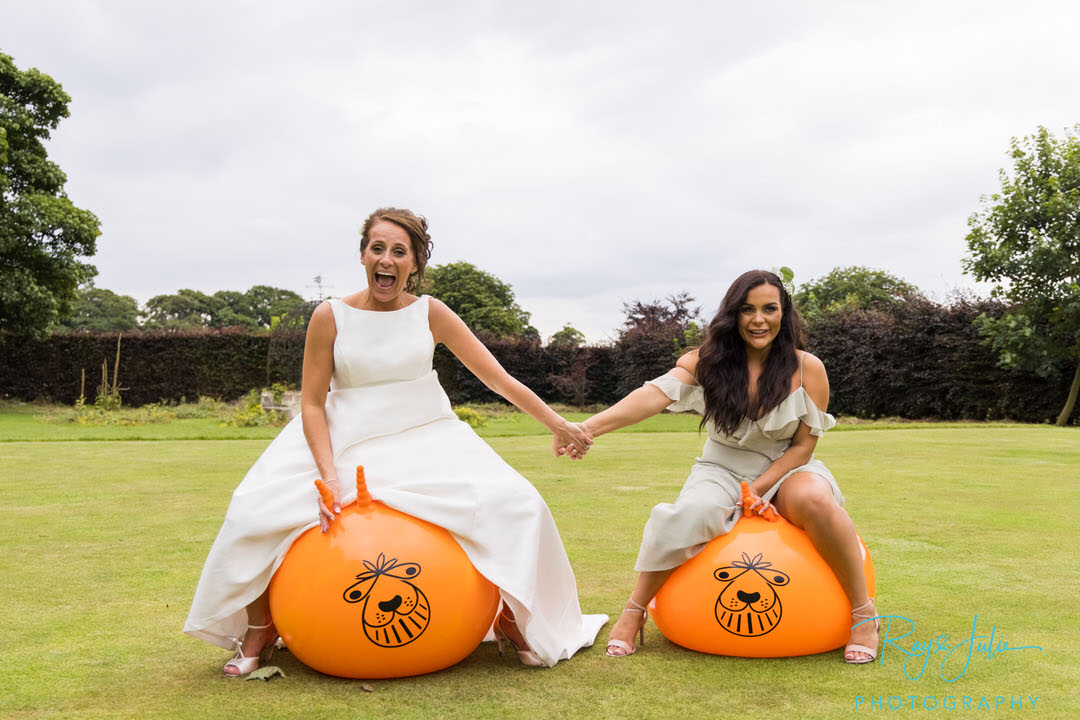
{"x":706,"y":506}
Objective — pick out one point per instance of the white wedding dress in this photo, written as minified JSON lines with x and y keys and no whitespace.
{"x":387,"y":412}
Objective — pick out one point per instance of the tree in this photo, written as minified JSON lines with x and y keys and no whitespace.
{"x":483,"y":301}
{"x":569,"y":336}
{"x":42,"y":233}
{"x":253,"y":309}
{"x":101,"y":310}
{"x":185,"y":310}
{"x":263,"y":302}
{"x":644,"y":348}
{"x":229,"y":308}
{"x":1027,"y":240}
{"x":854,"y":287}
{"x":674,"y":316}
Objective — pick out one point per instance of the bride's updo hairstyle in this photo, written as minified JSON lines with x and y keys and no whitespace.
{"x":416,"y":226}
{"x":721,"y":369}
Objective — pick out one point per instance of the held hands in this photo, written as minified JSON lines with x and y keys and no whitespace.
{"x":571,"y":439}
{"x":329,"y":498}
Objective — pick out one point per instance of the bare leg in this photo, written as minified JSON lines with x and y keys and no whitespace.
{"x":258,"y":613}
{"x":626,"y":627}
{"x":806,"y":501}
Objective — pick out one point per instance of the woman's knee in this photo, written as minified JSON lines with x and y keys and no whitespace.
{"x":804,"y":497}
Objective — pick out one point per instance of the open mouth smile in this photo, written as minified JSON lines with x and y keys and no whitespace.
{"x":385,"y":281}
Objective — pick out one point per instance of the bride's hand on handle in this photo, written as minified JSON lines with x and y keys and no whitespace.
{"x":570,"y":439}
{"x":329,"y":501}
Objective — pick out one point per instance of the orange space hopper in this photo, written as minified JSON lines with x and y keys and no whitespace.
{"x":380,"y":595}
{"x":761,"y":590}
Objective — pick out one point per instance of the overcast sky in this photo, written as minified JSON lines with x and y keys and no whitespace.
{"x":588,"y":153}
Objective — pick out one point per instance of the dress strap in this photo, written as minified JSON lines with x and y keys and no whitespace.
{"x":336,"y":310}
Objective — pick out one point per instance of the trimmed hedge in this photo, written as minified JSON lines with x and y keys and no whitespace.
{"x":579,"y":376}
{"x":154,"y":366}
{"x":917,"y":360}
{"x":926,"y":360}
{"x":166,"y":366}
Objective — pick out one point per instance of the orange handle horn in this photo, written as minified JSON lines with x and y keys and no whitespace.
{"x":363,"y":497}
{"x":325,"y":494}
{"x":748,"y":500}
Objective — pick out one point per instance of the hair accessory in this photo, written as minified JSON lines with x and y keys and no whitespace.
{"x":786,"y":276}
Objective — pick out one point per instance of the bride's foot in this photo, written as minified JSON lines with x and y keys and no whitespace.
{"x":506,"y":629}
{"x":250,"y":649}
{"x":632,"y":622}
{"x":863,"y":643}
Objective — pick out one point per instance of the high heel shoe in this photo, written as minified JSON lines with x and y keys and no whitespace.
{"x":247,"y":665}
{"x":627,"y":648}
{"x":526,"y":656}
{"x":858,"y":616}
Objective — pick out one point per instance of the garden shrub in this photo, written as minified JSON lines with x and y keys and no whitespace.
{"x":249,"y":412}
{"x":469,"y":415}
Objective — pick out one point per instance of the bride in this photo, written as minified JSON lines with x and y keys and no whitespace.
{"x":385,"y":410}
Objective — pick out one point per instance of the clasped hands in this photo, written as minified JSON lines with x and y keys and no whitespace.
{"x":571,"y":439}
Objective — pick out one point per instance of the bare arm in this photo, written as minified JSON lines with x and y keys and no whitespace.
{"x":318,"y":367}
{"x":642,"y":403}
{"x":816,"y":382}
{"x":450,"y":330}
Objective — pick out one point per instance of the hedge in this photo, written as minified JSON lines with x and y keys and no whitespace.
{"x":154,"y":366}
{"x":926,"y":360}
{"x":579,"y":376}
{"x":917,"y":360}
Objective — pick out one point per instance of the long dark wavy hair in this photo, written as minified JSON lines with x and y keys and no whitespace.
{"x":722,"y":371}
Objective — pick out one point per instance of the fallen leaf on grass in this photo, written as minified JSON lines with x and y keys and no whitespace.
{"x":265,"y":673}
{"x":366,"y":688}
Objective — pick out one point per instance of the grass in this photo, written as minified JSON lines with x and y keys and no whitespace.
{"x":26,"y":422}
{"x":104,"y":541}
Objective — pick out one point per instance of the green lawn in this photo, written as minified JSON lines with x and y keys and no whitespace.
{"x":103,"y":543}
{"x":23,"y":422}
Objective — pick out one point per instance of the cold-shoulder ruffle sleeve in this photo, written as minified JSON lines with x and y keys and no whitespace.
{"x":683,"y":397}
{"x":783,"y":421}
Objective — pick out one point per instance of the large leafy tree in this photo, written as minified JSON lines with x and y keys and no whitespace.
{"x":101,"y":310}
{"x":185,"y":310}
{"x":1026,"y":239}
{"x":854,"y":287}
{"x":229,"y":308}
{"x":263,"y":302}
{"x":42,"y":234}
{"x":483,"y":301}
{"x":188,"y":308}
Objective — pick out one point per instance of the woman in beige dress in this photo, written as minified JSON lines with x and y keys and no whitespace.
{"x":763,"y":398}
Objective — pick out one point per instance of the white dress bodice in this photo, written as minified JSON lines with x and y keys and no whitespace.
{"x":372,"y":348}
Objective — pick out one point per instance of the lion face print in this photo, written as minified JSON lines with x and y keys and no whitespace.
{"x":395,"y":610}
{"x":749,"y":605}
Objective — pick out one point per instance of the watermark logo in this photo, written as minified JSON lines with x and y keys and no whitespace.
{"x":950,"y":702}
{"x":952,"y":659}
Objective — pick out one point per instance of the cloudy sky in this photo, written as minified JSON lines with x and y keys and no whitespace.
{"x":588,"y":153}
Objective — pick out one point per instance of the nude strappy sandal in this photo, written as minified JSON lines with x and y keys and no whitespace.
{"x":247,"y":665}
{"x":871,"y":651}
{"x":625,"y":646}
{"x":526,"y":656}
